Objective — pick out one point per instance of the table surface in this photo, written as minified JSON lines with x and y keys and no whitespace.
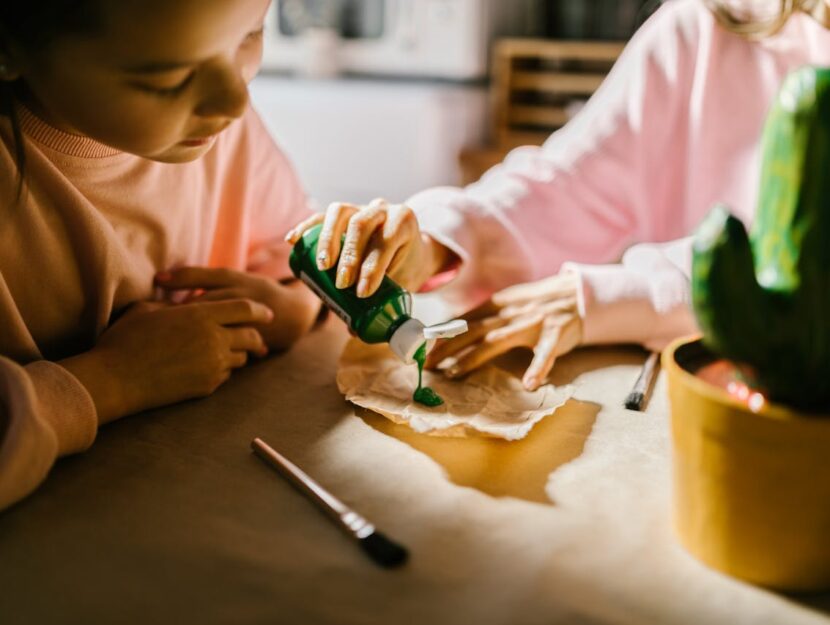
{"x":169,"y":518}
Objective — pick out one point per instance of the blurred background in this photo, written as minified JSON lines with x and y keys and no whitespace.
{"x":389,"y":97}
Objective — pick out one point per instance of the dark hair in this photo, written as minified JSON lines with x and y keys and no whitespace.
{"x":33,"y":25}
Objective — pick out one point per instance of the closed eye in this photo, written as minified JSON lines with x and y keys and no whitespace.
{"x":255,"y":34}
{"x":167,"y":92}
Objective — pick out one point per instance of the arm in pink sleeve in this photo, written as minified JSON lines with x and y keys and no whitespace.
{"x":45,"y":413}
{"x":603,"y":182}
{"x":645,"y":299}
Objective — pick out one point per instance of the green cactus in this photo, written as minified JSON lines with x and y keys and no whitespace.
{"x":763,"y":300}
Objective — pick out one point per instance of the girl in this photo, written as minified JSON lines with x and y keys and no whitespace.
{"x":129,"y":156}
{"x":674,"y":129}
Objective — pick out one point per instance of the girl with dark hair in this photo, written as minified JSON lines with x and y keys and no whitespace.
{"x":131,"y":164}
{"x":674,"y":129}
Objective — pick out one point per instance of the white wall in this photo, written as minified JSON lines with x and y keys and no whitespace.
{"x":354,"y":140}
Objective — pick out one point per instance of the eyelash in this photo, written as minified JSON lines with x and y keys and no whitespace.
{"x":170,"y":92}
{"x":256,"y":34}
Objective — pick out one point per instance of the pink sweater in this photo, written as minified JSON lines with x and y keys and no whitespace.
{"x":674,"y":129}
{"x":95,"y":227}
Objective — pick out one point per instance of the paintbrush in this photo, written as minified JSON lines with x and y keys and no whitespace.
{"x":638,"y":396}
{"x":382,"y":550}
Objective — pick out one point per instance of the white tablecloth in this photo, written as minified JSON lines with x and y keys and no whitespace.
{"x":170,"y":519}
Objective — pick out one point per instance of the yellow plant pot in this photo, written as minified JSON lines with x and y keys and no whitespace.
{"x":751,"y":489}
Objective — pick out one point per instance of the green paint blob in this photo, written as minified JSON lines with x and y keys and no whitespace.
{"x":424,"y":394}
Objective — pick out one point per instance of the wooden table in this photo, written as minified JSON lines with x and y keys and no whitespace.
{"x":170,"y":519}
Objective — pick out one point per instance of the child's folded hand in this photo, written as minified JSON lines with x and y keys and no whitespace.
{"x":295,"y":308}
{"x":377,"y":239}
{"x":156,"y":354}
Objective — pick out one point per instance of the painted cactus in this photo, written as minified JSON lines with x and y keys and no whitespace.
{"x":763,"y":299}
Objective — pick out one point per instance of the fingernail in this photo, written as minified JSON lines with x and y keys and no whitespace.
{"x":454,"y":371}
{"x":531,"y":382}
{"x":363,"y":288}
{"x":323,"y":260}
{"x":164,"y":276}
{"x":263,"y":352}
{"x":290,"y":236}
{"x":343,"y":278}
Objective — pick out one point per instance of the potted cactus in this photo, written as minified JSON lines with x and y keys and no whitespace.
{"x":751,"y":400}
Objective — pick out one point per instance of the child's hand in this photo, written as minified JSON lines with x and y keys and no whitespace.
{"x":539,"y":315}
{"x":380,"y":238}
{"x":295,"y":308}
{"x":157,"y":354}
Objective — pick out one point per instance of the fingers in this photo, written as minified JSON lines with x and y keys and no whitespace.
{"x":482,"y":311}
{"x":544,"y":355}
{"x":216,"y":295}
{"x":334,"y":225}
{"x":496,"y":343}
{"x":360,"y":230}
{"x":246,"y":340}
{"x":390,"y":245}
{"x":237,"y":360}
{"x":297,"y":231}
{"x":554,"y":287}
{"x":198,"y":278}
{"x":558,"y":337}
{"x":237,"y":312}
{"x":565,"y":304}
{"x":476,"y":331}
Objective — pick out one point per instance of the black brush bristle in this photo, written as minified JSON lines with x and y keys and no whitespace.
{"x":635,"y":401}
{"x":386,"y":553}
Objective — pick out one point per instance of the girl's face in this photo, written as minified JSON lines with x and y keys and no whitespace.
{"x":159,"y":79}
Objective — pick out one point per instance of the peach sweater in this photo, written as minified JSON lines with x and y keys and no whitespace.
{"x":86,"y":241}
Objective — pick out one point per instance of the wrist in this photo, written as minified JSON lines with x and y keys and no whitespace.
{"x":438,"y":258}
{"x":439,"y":267}
{"x":295,"y":314}
{"x":95,"y":373}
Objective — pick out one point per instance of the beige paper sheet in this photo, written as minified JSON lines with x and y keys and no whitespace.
{"x":489,"y":402}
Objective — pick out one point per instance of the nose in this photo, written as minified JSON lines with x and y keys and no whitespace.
{"x":226,"y":92}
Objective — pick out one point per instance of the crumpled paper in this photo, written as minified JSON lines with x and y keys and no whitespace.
{"x":489,"y":401}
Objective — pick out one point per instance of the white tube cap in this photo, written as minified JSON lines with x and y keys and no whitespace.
{"x":407,"y":339}
{"x":446,"y":330}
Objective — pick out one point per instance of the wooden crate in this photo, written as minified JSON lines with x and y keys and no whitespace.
{"x":535,"y":81}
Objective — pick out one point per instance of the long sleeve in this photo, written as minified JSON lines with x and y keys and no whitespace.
{"x":262,"y":199}
{"x":644,"y":299}
{"x":93,"y":229}
{"x":603,"y":182}
{"x":45,"y":413}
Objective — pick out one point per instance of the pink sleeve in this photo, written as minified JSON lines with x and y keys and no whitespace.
{"x":645,"y":299}
{"x":605,"y":181}
{"x":45,"y":413}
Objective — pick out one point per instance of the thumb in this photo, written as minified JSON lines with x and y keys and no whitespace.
{"x":559,"y":336}
{"x":544,"y":355}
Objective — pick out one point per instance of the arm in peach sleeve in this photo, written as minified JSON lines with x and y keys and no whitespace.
{"x":45,"y":413}
{"x":278,"y":201}
{"x":605,"y":181}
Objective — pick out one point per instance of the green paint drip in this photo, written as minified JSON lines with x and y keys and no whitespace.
{"x":424,"y":394}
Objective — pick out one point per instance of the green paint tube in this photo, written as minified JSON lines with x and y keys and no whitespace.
{"x":383,"y":317}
